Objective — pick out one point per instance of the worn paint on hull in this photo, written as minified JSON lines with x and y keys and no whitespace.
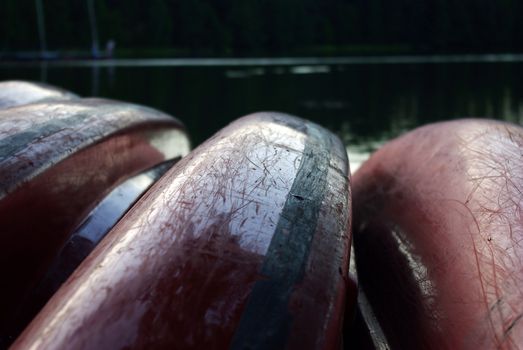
{"x":58,"y":159}
{"x":243,"y":243}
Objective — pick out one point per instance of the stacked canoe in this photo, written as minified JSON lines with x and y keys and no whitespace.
{"x":110,"y":242}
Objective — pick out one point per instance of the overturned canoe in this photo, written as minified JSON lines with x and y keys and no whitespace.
{"x":58,"y":160}
{"x":17,"y":93}
{"x":242,"y":244}
{"x":437,"y":236}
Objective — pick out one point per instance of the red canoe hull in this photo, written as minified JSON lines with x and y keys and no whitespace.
{"x":57,"y":161}
{"x":243,"y":243}
{"x":437,"y":226}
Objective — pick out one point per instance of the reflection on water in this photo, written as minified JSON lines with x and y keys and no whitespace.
{"x":239,"y":73}
{"x":365,"y":100}
{"x":309,"y":69}
{"x":244,"y":73}
{"x":283,"y":61}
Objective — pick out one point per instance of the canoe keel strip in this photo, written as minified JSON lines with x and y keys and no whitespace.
{"x":242,"y":244}
{"x":58,"y":160}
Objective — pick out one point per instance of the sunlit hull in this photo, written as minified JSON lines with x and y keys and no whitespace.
{"x":242,"y":243}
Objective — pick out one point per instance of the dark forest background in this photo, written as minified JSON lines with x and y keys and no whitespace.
{"x":268,"y":27}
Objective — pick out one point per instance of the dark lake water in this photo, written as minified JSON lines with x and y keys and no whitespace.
{"x":364,"y":101}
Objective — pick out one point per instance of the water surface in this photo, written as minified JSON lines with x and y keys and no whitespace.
{"x":365,"y":100}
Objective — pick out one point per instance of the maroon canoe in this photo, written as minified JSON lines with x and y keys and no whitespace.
{"x":243,"y":244}
{"x":438,"y":231}
{"x":58,"y":160}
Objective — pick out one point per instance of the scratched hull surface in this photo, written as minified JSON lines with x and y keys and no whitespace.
{"x":243,"y":243}
{"x":58,"y":159}
{"x":437,"y":226}
{"x":16,"y":93}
